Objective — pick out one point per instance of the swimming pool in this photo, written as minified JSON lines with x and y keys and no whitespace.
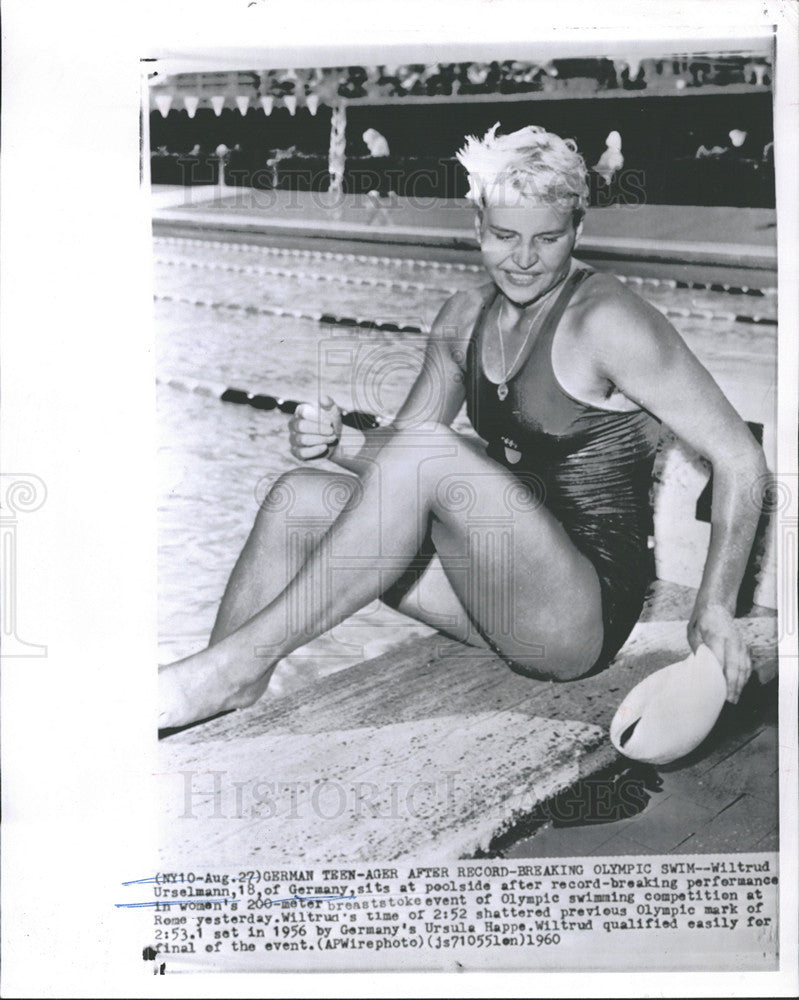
{"x":248,"y":316}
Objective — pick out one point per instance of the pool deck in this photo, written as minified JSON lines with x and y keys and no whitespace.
{"x":436,"y":751}
{"x":741,"y":238}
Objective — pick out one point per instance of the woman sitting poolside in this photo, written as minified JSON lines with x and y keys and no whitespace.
{"x":533,"y":543}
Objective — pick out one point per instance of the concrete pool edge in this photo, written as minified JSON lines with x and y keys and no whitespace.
{"x":606,"y":248}
{"x":727,"y":237}
{"x":415,"y":716}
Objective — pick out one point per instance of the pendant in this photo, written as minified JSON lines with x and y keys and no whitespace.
{"x":512,"y":453}
{"x":502,"y":391}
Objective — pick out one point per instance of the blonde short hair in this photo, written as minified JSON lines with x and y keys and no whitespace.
{"x":538,"y":164}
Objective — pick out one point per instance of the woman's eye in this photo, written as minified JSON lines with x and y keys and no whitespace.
{"x":550,"y":239}
{"x":504,"y":236}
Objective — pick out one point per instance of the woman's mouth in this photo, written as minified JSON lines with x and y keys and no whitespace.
{"x":521,"y":279}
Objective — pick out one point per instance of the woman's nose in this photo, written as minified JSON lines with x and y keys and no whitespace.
{"x":525,"y":255}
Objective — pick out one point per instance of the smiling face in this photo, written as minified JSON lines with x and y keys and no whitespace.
{"x":526,"y":246}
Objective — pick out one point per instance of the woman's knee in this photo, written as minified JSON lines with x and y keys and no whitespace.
{"x":302,"y":493}
{"x":411,"y":442}
{"x":559,"y":660}
{"x":423,"y":453}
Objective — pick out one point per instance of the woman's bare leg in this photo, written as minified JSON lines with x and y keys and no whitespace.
{"x":509,"y":561}
{"x":299,"y":508}
{"x":426,"y":595}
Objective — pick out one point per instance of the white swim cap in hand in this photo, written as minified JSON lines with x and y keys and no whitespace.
{"x":670,"y":712}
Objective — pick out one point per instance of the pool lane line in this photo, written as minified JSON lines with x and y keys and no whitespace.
{"x":316,"y":254}
{"x":440,"y":265}
{"x":332,"y":319}
{"x":279,"y":272}
{"x":418,"y":286}
{"x":262,"y":401}
{"x":329,"y":319}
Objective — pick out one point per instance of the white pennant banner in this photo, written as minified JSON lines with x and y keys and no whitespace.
{"x":190,"y":102}
{"x":312,"y":100}
{"x":218,"y":101}
{"x":242,"y":103}
{"x":164,"y":102}
{"x":267,"y":103}
{"x":291,"y":103}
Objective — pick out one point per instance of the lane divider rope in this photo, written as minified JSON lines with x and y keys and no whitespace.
{"x":260,"y":401}
{"x":280,"y":272}
{"x":308,"y":254}
{"x":315,"y":317}
{"x":333,"y":319}
{"x":437,"y":265}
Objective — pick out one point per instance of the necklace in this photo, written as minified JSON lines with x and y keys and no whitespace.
{"x":502,"y":388}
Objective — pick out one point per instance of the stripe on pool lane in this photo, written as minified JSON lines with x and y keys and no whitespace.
{"x":280,"y":272}
{"x":365,"y":322}
{"x":404,"y":286}
{"x":437,"y":265}
{"x":261,"y":401}
{"x":329,"y":319}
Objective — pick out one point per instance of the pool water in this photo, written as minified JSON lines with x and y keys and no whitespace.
{"x":217,"y":459}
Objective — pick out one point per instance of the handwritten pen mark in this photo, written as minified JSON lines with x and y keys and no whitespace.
{"x":173,"y":902}
{"x":209,"y":899}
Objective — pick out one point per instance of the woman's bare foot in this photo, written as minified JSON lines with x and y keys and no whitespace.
{"x":205,"y":684}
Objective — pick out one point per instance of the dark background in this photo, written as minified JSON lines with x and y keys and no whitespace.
{"x":660,"y":136}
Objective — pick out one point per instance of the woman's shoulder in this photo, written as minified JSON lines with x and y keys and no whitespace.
{"x":601,"y":286}
{"x":611,"y":320}
{"x":603,"y":300}
{"x":463,"y":307}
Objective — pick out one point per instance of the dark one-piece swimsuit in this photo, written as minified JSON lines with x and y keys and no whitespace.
{"x":590,"y":466}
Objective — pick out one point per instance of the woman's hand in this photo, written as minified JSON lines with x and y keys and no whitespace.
{"x":314,"y":431}
{"x":714,"y":626}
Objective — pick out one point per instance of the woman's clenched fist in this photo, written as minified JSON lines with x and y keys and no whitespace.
{"x":314,"y":431}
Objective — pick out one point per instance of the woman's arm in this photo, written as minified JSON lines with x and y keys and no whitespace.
{"x":641,"y":353}
{"x":436,"y":395}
